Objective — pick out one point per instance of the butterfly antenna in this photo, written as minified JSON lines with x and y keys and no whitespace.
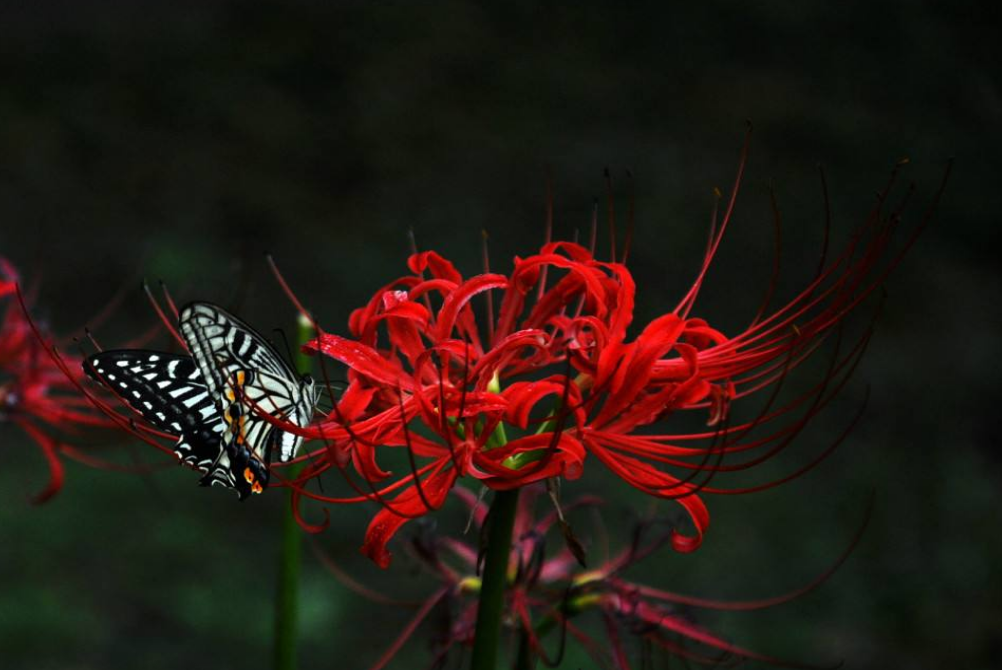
{"x":328,"y":393}
{"x":90,"y":337}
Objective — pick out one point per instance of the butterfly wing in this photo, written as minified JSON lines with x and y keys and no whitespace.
{"x":170,"y":393}
{"x":221,"y":344}
{"x":292,"y":400}
{"x":247,"y":377}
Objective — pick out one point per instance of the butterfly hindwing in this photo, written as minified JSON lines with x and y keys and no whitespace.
{"x":278,"y":396}
{"x":169,"y":392}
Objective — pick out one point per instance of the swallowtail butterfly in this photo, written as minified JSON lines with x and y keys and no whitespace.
{"x":213,"y":400}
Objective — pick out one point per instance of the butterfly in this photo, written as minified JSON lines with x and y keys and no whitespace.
{"x":214,"y":400}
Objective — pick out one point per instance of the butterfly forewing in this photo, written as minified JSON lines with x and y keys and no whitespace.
{"x":222,"y":344}
{"x":169,"y":392}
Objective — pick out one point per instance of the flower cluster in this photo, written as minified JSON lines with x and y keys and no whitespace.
{"x":550,"y":595}
{"x":515,"y":378}
{"x":37,"y":393}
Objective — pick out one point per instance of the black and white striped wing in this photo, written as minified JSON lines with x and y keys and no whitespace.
{"x":222,"y":344}
{"x":247,"y":377}
{"x":170,"y":393}
{"x":280,"y":397}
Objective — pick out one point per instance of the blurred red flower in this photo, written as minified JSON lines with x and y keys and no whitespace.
{"x":528,"y":393}
{"x":36,"y":393}
{"x":549,"y":592}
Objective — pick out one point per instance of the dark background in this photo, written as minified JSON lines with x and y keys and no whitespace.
{"x":182,"y":140}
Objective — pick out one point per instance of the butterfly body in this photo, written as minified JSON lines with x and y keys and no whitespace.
{"x":216,"y":400}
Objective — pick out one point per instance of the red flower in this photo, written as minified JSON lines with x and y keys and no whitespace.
{"x":555,"y":375}
{"x":551,"y":593}
{"x":35,"y":393}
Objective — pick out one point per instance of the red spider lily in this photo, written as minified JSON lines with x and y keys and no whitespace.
{"x":551,"y":592}
{"x":527,"y":393}
{"x":35,"y":393}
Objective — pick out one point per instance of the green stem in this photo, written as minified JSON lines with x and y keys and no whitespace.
{"x":526,"y":659}
{"x":287,"y":602}
{"x":288,"y":593}
{"x":487,"y":635}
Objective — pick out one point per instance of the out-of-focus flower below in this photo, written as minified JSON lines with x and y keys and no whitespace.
{"x":551,"y":597}
{"x":36,"y":393}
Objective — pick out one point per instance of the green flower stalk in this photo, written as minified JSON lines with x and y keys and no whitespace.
{"x":287,"y":600}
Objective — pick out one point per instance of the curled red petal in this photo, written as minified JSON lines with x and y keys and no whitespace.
{"x":438,"y":266}
{"x":633,"y":371}
{"x":655,"y":482}
{"x":354,"y":401}
{"x":700,"y":517}
{"x":405,"y":323}
{"x":561,"y":455}
{"x":525,"y":275}
{"x":387,"y":522}
{"x":573,"y":250}
{"x":361,"y":358}
{"x":359,"y":318}
{"x":363,"y":458}
{"x":459,"y":298}
{"x":522,"y":397}
{"x":508,"y":348}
